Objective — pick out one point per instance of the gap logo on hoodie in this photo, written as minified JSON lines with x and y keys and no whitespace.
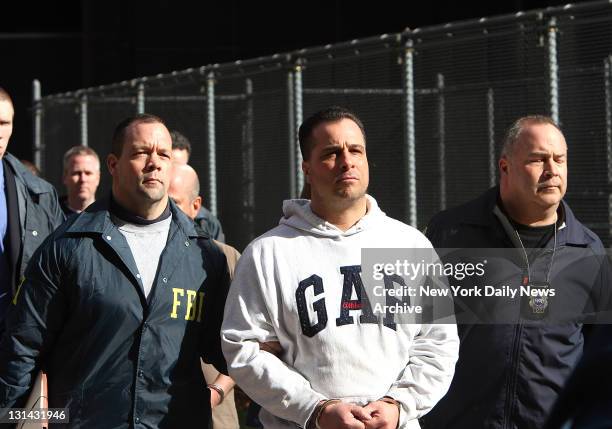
{"x":352,"y":282}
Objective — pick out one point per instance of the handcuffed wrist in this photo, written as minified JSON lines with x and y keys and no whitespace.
{"x":313,"y":422}
{"x":219,"y":390}
{"x":390,"y":400}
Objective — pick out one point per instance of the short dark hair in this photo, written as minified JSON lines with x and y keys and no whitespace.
{"x":329,"y":114}
{"x":179,"y":141}
{"x":513,"y":133}
{"x":120,"y":129}
{"x":4,"y":96}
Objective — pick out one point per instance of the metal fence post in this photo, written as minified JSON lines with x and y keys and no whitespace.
{"x":248,"y":163}
{"x":212,"y":150}
{"x":491,"y":133}
{"x":292,"y":134}
{"x":409,"y":135}
{"x":608,"y":86}
{"x":38,"y":111}
{"x":299,"y":117}
{"x":140,"y":98}
{"x":83,"y":119}
{"x":441,"y":141}
{"x":553,"y":69}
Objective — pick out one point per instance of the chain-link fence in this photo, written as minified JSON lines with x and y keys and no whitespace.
{"x":435,"y":102}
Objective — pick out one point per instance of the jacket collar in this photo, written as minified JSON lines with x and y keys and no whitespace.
{"x":481,"y":212}
{"x":34,"y":184}
{"x":575,"y":232}
{"x":96,"y":219}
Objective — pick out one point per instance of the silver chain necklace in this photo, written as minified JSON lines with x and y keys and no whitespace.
{"x":527,"y":257}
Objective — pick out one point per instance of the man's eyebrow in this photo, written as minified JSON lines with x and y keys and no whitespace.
{"x":338,"y":146}
{"x":331,"y":146}
{"x":540,"y":153}
{"x":140,"y":145}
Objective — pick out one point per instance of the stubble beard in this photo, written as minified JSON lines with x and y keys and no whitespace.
{"x":151,"y":195}
{"x":347,"y":196}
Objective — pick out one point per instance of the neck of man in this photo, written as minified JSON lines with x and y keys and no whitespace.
{"x":342,"y":213}
{"x":148,"y":210}
{"x":530,"y":215}
{"x":79,"y":204}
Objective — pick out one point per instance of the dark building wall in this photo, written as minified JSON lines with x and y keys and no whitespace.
{"x":74,"y":44}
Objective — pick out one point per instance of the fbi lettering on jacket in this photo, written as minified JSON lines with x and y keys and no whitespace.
{"x":187,"y":303}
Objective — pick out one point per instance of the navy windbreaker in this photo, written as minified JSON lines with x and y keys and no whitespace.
{"x":115,"y":358}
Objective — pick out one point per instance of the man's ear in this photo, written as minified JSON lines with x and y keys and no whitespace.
{"x":306,"y":170}
{"x":111,"y":163}
{"x":503,"y":165}
{"x":197,"y":204}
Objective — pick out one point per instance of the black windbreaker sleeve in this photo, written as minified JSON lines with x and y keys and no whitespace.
{"x":218,"y":281}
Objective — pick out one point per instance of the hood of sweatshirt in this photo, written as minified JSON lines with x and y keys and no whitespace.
{"x":298,"y":214}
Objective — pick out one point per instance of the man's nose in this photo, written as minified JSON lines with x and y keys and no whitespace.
{"x":154,"y":161}
{"x":551,"y":168}
{"x":346,"y":159}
